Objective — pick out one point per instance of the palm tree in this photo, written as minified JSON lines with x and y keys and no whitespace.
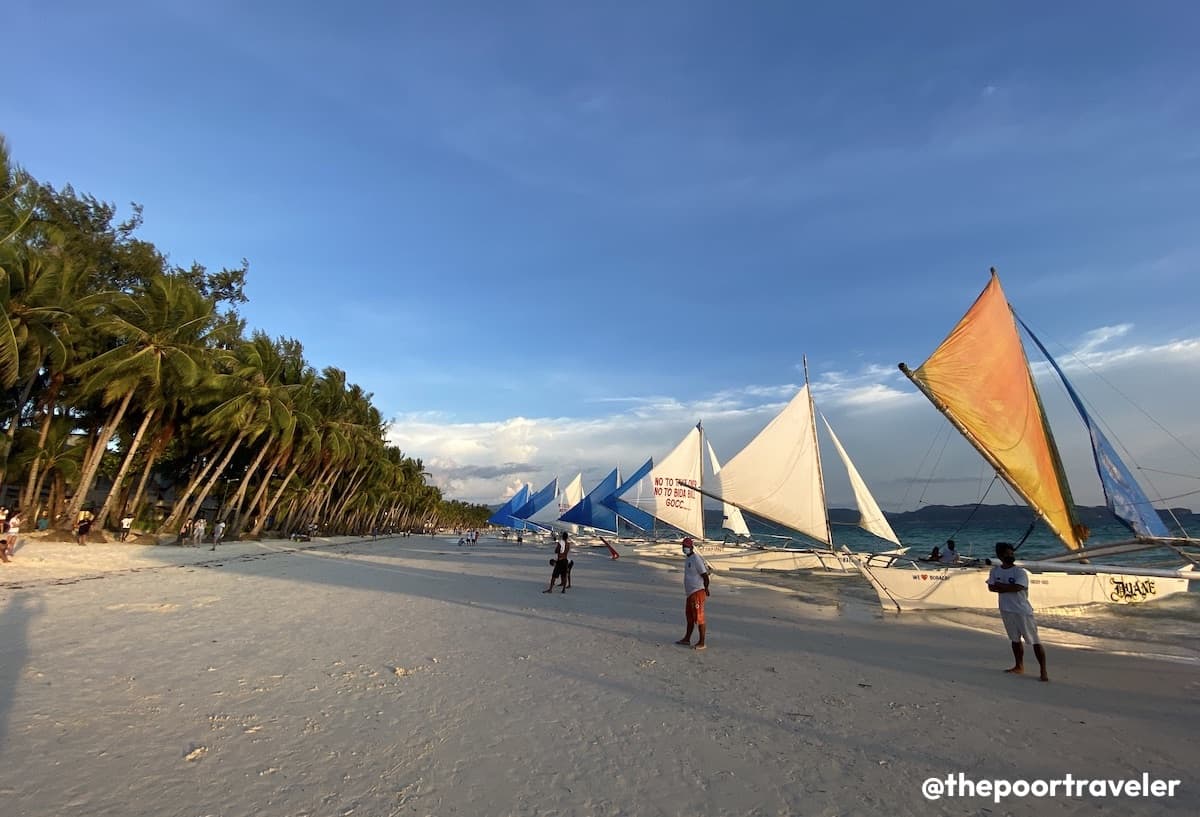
{"x":159,"y":333}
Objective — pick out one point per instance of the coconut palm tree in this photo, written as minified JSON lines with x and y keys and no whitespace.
{"x":159,"y":335}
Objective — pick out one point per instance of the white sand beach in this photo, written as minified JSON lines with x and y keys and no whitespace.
{"x":413,"y":676}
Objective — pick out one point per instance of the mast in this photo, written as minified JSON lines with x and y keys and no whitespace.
{"x":817,"y":451}
{"x":700,"y":481}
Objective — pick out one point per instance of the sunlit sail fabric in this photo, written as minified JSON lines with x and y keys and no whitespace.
{"x":731,"y":518}
{"x":543,"y":499}
{"x":870,"y":517}
{"x":979,"y":377}
{"x":1125,"y":497}
{"x":665,"y":490}
{"x":778,"y":476}
{"x":589,"y":511}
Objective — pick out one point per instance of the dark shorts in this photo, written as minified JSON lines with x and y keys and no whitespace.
{"x":562,"y":567}
{"x":84,"y":528}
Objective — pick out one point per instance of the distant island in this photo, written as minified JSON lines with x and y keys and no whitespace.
{"x":994,"y":514}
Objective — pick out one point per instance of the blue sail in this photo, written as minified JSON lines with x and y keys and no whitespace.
{"x":590,"y":512}
{"x":1125,"y":497}
{"x":631,"y":513}
{"x":535,"y":503}
{"x":504,"y":515}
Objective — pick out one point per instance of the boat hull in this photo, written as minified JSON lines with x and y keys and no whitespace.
{"x":915,"y":587}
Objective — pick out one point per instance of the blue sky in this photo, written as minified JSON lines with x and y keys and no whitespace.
{"x":548,"y":236}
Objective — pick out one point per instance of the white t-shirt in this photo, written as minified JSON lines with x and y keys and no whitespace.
{"x":219,"y":529}
{"x":694,"y":569}
{"x":1012,"y":602}
{"x":14,"y":523}
{"x":126,"y":522}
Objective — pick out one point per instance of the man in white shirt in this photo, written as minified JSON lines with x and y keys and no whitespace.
{"x":695,"y":587}
{"x":1012,"y":585}
{"x":949,"y":556}
{"x":126,"y":526}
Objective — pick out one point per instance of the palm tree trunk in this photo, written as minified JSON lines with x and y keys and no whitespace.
{"x":262,"y":519}
{"x":156,"y":448}
{"x":212,"y":479}
{"x":244,"y":484}
{"x":35,"y":466}
{"x":177,"y":512}
{"x":89,"y":475}
{"x":106,"y":508}
{"x":257,"y":501}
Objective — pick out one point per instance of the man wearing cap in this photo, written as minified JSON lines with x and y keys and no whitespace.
{"x":695,"y":586}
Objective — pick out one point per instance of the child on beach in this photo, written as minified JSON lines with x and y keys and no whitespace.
{"x":1012,"y":585}
{"x":13,"y":533}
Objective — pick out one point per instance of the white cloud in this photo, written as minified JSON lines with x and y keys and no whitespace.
{"x":893,"y":434}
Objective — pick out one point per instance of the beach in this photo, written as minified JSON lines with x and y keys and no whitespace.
{"x":414,"y":676}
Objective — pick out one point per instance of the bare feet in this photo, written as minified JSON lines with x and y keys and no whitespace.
{"x":684,"y":642}
{"x":1016,"y":670}
{"x":700,"y":646}
{"x":1045,"y":678}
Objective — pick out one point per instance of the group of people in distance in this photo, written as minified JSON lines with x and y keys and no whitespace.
{"x":194,"y":531}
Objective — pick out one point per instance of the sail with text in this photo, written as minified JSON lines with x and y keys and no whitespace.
{"x":664,"y":490}
{"x":979,"y":378}
{"x":504,"y":514}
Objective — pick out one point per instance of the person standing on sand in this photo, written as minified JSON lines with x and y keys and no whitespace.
{"x":1012,"y":585}
{"x":218,"y":533}
{"x":14,"y":530}
{"x":695,"y":587}
{"x":126,"y":526}
{"x":83,"y":526}
{"x":562,"y":553}
{"x":198,"y":529}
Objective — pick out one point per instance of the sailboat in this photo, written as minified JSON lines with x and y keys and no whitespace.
{"x":547,"y":516}
{"x":778,"y":477}
{"x":980,"y":379}
{"x":731,"y":516}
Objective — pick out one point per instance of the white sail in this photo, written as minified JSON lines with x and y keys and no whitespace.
{"x":548,"y":513}
{"x":666,"y":493}
{"x":567,"y":499}
{"x":731,"y":516}
{"x":778,"y":474}
{"x":870,"y":517}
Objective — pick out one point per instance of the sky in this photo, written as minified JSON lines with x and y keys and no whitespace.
{"x":551,"y":237}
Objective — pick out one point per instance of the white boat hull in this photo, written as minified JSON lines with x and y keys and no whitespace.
{"x":918,"y":587}
{"x":720,"y":556}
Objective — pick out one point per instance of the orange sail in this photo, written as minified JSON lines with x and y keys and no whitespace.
{"x":980,"y":379}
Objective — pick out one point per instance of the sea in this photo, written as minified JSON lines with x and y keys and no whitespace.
{"x":1167,"y":629}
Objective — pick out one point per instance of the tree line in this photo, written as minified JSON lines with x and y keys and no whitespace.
{"x":121,"y":369}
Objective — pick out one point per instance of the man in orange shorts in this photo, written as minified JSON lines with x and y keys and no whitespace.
{"x":695,"y":586}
